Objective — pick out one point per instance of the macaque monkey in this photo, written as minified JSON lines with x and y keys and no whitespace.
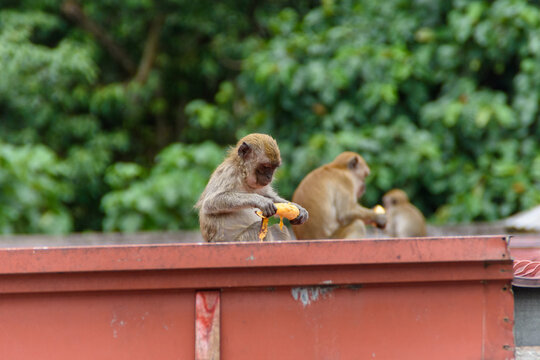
{"x":240,"y":186}
{"x":404,"y":219}
{"x":330,"y":193}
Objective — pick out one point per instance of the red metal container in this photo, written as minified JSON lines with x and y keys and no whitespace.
{"x":426,"y":298}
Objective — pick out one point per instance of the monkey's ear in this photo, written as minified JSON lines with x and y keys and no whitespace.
{"x":244,"y":150}
{"x":353,"y":163}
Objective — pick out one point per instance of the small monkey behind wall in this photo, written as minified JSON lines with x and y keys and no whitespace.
{"x":239,"y":186}
{"x":404,"y":219}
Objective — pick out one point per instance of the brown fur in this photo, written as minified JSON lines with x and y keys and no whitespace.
{"x":330,"y":194}
{"x":404,"y":219}
{"x":237,"y":188}
{"x":262,"y":143}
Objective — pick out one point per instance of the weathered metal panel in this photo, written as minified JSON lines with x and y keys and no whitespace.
{"x":417,"y":321}
{"x":255,"y":277}
{"x":248,"y":255}
{"x":97,"y":325}
{"x":389,"y":298}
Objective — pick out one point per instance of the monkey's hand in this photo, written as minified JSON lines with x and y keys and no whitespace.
{"x":380,"y":220}
{"x":302,"y":217}
{"x":267,"y":207}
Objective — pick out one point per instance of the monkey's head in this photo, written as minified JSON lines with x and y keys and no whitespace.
{"x":356,"y":164}
{"x":395,"y":197}
{"x":259,"y":157}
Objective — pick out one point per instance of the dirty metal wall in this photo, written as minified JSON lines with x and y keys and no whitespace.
{"x":437,"y":298}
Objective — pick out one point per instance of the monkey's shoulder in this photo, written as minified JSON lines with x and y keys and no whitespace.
{"x":224,"y":179}
{"x":406,"y":212}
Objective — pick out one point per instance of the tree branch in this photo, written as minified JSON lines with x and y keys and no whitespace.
{"x":150,"y":49}
{"x":73,"y":11}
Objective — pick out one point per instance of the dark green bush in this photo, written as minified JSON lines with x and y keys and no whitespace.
{"x":164,"y":198}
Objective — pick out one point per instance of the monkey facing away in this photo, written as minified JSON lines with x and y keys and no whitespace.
{"x":404,"y":219}
{"x":330,"y":193}
{"x":239,"y":186}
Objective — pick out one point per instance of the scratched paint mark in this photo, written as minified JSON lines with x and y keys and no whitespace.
{"x":113,"y":322}
{"x":250,"y":258}
{"x":114,"y":319}
{"x":115,"y":325}
{"x":327,"y":282}
{"x":308,"y":295}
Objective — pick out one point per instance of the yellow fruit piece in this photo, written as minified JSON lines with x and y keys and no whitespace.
{"x":284,"y":210}
{"x":287,"y":210}
{"x":378,"y":209}
{"x":264,"y":229}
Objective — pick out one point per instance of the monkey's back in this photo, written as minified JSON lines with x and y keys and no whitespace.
{"x":316,"y":194}
{"x":406,"y":221}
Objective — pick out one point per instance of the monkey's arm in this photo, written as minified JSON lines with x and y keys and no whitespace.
{"x":300,"y":219}
{"x":364,"y":214}
{"x":229,"y":201}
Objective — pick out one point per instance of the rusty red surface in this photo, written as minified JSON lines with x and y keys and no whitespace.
{"x":440,"y":298}
{"x":419,"y":321}
{"x":234,"y":255}
{"x":97,"y":325}
{"x":525,"y":247}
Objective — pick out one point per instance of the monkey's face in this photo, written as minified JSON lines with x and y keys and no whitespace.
{"x":395,"y":197}
{"x":264,"y":174}
{"x":259,"y":163}
{"x":360,"y":169}
{"x":388,"y":202}
{"x":260,"y":173}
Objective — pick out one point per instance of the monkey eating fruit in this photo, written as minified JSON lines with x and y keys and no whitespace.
{"x":239,"y":186}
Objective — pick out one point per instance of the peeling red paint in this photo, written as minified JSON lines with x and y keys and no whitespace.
{"x":207,"y":325}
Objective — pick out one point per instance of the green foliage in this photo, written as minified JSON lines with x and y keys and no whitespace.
{"x":63,"y":87}
{"x":33,"y":191}
{"x":164,"y":198}
{"x":440,"y":98}
{"x":44,"y":96}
